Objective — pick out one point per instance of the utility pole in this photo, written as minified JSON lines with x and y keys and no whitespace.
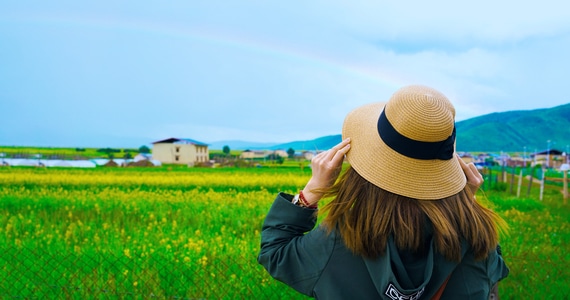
{"x":548,"y":154}
{"x":524,"y":157}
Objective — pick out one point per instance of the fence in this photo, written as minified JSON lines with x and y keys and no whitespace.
{"x":539,"y":268}
{"x":512,"y":180}
{"x":37,"y":274}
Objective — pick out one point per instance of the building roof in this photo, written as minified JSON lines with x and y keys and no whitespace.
{"x":47,"y":163}
{"x":180,"y":141}
{"x":551,"y":152}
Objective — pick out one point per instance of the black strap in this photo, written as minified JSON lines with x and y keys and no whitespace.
{"x":411,"y":148}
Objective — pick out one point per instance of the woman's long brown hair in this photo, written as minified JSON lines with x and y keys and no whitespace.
{"x":366,"y":216}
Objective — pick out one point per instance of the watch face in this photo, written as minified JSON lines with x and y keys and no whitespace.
{"x":296,"y":199}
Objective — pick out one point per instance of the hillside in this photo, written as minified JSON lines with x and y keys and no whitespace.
{"x":322,"y":143}
{"x":514,"y":130}
{"x":506,"y":131}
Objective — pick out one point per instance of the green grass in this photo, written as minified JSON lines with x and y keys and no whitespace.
{"x":190,"y":232}
{"x":68,"y":153}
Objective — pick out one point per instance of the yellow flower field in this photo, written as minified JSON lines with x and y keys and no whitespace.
{"x":187,"y":233}
{"x":193,"y":233}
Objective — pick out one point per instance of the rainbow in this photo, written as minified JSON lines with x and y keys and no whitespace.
{"x":280,"y":52}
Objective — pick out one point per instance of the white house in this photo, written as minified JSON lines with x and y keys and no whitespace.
{"x":249,"y":154}
{"x":551,"y":158}
{"x":180,"y":151}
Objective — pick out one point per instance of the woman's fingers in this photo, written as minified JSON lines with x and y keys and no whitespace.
{"x":332,"y":152}
{"x":333,"y":156}
{"x":339,"y":154}
{"x":474,"y":178}
{"x":326,"y":166}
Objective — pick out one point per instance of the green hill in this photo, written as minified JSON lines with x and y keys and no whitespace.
{"x":506,"y":131}
{"x":322,"y":143}
{"x":514,"y":130}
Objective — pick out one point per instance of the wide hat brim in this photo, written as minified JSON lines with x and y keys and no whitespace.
{"x":422,"y":179}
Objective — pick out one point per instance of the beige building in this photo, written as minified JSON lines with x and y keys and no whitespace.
{"x":550,"y":158}
{"x":180,"y":151}
{"x":249,"y":154}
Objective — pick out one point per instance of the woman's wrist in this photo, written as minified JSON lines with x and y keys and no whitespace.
{"x":300,"y":200}
{"x":311,"y":198}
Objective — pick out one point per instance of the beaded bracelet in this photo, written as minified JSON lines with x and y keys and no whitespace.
{"x":304,"y":201}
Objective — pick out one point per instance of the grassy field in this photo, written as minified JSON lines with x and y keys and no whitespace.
{"x":86,"y":153}
{"x":193,"y":233}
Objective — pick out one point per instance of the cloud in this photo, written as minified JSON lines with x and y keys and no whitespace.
{"x":482,"y":21}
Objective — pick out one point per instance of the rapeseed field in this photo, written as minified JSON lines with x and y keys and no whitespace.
{"x":193,"y":233}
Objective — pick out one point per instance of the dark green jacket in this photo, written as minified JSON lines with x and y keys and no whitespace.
{"x":318,"y":264}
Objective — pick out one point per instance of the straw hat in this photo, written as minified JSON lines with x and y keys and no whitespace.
{"x":406,"y":145}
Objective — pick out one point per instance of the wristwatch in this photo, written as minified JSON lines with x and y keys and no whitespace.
{"x":300,"y":200}
{"x":296,"y":199}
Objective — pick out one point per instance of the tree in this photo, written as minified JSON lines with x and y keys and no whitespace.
{"x":275,"y":158}
{"x":144,"y":149}
{"x":291,"y":152}
{"x":226,"y":150}
{"x":108,"y":150}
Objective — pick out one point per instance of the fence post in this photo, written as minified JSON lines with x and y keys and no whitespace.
{"x":565,"y":187}
{"x":512,"y":180}
{"x":490,"y":176}
{"x":520,"y":183}
{"x":542,"y":183}
{"x":530,"y":181}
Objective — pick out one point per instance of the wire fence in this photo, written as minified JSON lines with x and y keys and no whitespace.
{"x":36,"y":274}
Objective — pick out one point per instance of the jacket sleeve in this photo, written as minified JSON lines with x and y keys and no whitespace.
{"x":496,"y":267}
{"x":287,"y":253}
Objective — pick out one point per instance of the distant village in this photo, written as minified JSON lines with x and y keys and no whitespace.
{"x":192,"y":153}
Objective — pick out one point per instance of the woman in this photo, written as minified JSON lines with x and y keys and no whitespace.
{"x":403,"y":222}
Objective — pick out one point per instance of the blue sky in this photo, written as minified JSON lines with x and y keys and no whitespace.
{"x":127,"y":73}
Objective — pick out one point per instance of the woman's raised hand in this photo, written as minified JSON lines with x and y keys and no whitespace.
{"x":326,"y":167}
{"x":474,"y":178}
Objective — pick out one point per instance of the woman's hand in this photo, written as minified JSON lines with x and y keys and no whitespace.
{"x":474,"y":178}
{"x":326,"y":167}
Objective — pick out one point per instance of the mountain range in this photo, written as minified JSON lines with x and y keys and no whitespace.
{"x":511,"y":131}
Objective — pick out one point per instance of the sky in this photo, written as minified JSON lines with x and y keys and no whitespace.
{"x":129,"y":73}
